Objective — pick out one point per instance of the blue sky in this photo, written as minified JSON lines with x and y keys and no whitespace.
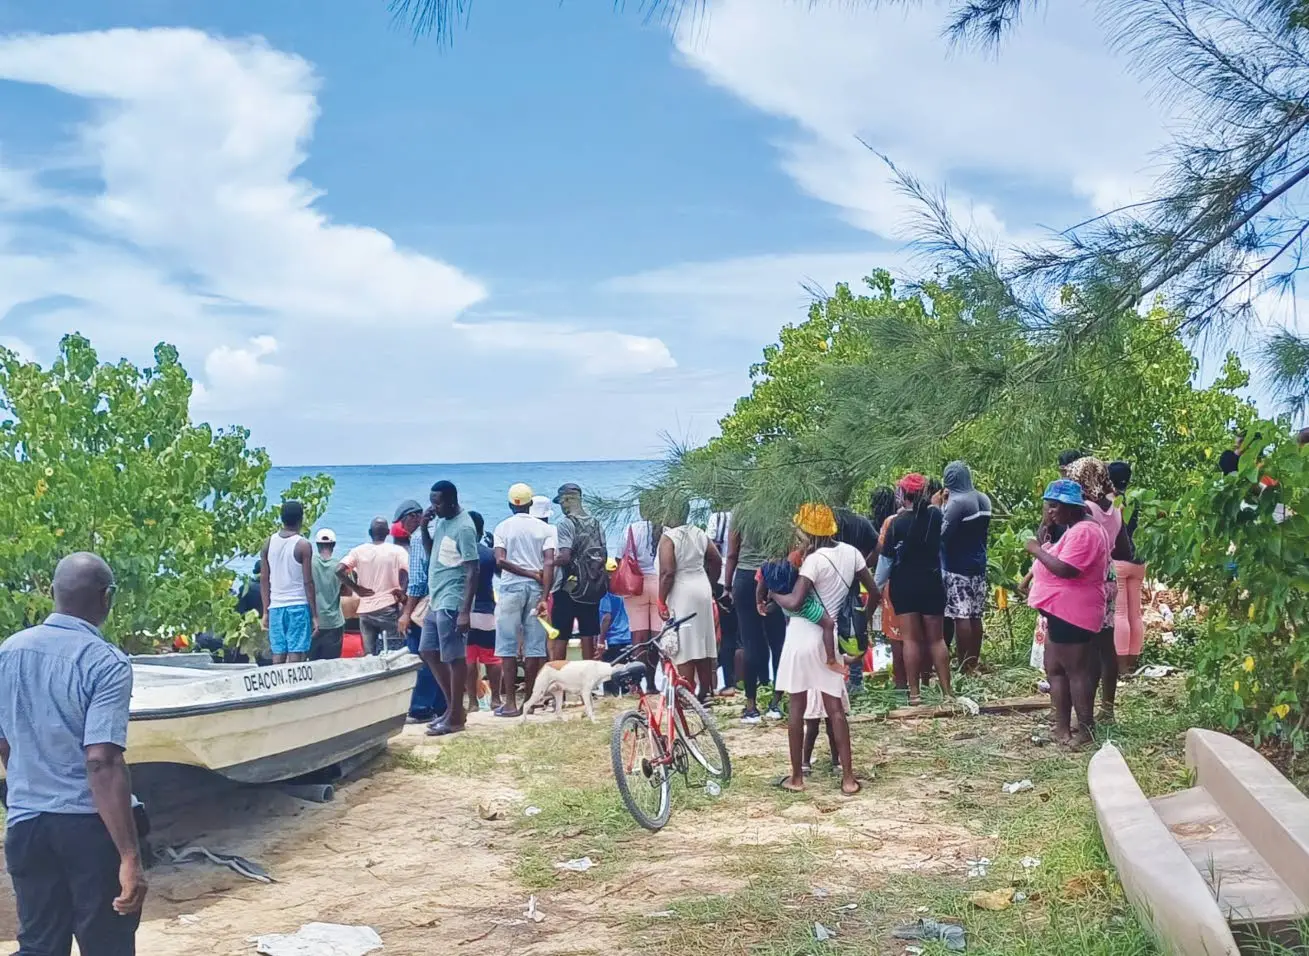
{"x":565,"y":235}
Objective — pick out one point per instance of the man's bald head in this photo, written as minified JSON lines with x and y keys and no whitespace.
{"x":379,"y":529}
{"x":83,"y":586}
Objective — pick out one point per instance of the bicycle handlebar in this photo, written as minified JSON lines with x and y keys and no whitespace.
{"x":671,"y":625}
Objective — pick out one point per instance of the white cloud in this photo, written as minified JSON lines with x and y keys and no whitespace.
{"x":239,"y":377}
{"x":751,"y":297}
{"x":596,"y":353}
{"x":1029,"y":118}
{"x":203,"y":231}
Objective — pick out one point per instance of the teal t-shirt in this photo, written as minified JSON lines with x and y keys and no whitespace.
{"x":454,"y":545}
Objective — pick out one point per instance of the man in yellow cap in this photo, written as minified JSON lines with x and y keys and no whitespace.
{"x":524,"y":553}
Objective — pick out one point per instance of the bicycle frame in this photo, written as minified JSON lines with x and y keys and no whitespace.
{"x":665,"y":701}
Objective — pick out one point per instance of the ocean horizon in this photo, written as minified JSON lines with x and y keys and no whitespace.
{"x":363,"y":492}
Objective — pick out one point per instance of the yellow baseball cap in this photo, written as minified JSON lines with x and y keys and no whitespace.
{"x":520,"y":494}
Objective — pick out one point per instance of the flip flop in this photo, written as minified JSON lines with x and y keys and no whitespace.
{"x":444,"y":730}
{"x":781,"y":784}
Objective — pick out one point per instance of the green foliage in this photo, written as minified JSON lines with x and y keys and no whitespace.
{"x":869,"y":387}
{"x":104,"y":457}
{"x":1239,"y":545}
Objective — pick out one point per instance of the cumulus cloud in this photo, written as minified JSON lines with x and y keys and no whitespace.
{"x":1028,"y":121}
{"x":239,"y":377}
{"x":193,"y":223}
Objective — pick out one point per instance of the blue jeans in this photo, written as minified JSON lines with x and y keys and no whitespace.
{"x":427,"y":701}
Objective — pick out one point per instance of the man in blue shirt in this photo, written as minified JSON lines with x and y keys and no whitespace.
{"x":71,"y":842}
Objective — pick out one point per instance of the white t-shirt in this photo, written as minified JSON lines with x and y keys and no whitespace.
{"x":525,"y":540}
{"x":833,"y":571}
{"x":645,"y":553}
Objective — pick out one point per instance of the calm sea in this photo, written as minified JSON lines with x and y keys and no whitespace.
{"x":365,"y":491}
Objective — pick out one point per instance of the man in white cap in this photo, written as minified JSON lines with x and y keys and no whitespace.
{"x":524,"y":553}
{"x":328,"y":588}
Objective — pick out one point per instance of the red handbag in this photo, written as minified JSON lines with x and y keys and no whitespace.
{"x":627,"y":580}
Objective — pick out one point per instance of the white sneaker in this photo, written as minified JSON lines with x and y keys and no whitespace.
{"x":773,"y":714}
{"x":750,"y":717}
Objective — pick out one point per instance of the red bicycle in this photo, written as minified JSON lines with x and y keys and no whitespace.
{"x":668,"y":732}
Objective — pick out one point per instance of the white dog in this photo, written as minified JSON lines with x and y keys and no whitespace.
{"x":579,"y":678}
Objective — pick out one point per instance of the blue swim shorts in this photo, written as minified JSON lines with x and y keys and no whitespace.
{"x":290,"y":629}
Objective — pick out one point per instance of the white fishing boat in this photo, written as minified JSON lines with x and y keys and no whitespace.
{"x":264,"y":724}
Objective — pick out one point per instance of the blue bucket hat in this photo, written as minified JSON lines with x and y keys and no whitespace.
{"x":1066,"y":492}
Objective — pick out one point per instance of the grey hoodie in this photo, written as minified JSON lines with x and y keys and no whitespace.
{"x":967,"y":523}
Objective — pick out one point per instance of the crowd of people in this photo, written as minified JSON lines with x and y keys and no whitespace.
{"x":792,"y":624}
{"x":494,"y":606}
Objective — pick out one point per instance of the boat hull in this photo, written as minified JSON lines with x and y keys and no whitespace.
{"x":267,"y":724}
{"x":278,"y":739}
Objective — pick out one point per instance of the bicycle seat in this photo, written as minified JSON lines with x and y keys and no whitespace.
{"x":632,"y":672}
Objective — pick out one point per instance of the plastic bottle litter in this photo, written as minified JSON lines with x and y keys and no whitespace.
{"x":580,"y":865}
{"x":532,"y":913}
{"x":1018,"y":786}
{"x":712,"y":788}
{"x":970,"y":705}
{"x":531,"y":811}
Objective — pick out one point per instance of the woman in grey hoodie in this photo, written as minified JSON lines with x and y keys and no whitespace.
{"x":964,"y":532}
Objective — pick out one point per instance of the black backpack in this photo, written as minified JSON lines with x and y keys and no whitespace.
{"x":588,"y":580}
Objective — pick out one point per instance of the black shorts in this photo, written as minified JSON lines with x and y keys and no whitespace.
{"x":564,"y":611}
{"x":484,"y":639}
{"x":918,"y":593}
{"x":325,"y":645}
{"x":1061,"y":632}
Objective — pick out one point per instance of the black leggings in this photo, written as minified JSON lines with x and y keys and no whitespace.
{"x":761,"y":637}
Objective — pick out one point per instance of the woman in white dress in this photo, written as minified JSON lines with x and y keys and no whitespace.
{"x":829,"y":570}
{"x":688,"y":562}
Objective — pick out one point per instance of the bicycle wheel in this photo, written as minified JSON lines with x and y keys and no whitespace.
{"x":641,"y":774}
{"x":698,"y":730}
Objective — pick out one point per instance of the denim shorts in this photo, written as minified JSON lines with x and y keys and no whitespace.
{"x":290,"y":629}
{"x":441,"y":634}
{"x":514,"y":613}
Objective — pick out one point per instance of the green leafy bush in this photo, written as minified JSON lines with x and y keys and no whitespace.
{"x":1238,"y":545}
{"x":104,"y":457}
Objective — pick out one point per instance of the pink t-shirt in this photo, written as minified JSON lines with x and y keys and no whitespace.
{"x":378,"y":567}
{"x":1079,"y":601}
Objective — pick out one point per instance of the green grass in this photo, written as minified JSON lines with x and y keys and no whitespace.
{"x":970,"y":759}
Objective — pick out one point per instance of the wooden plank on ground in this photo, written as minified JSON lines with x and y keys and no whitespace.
{"x":1005,"y":705}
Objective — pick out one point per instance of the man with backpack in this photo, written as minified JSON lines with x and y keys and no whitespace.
{"x":580,"y":579}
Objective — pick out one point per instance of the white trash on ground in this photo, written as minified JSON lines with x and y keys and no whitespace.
{"x":580,"y":865}
{"x":321,"y":939}
{"x":1018,"y":786}
{"x":978,"y":868}
{"x":531,"y":811}
{"x":532,"y":913}
{"x":1030,"y":862}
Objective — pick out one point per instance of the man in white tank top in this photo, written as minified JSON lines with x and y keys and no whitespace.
{"x":287,"y":585}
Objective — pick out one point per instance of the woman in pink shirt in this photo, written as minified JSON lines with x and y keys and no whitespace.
{"x":1093,"y":475}
{"x":1068,"y":591}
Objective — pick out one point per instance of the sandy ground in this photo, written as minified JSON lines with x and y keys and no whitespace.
{"x":408,"y":854}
